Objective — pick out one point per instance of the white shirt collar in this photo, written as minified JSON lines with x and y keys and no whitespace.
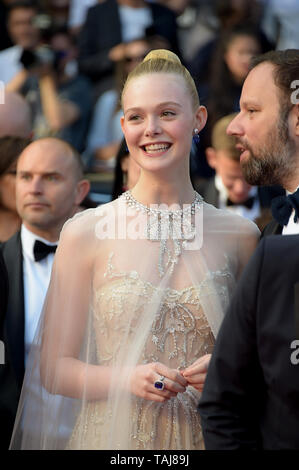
{"x":28,"y":239}
{"x":292,"y":227}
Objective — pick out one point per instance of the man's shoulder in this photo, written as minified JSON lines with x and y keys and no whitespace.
{"x":278,"y":244}
{"x":12,"y":52}
{"x":102,"y":7}
{"x":159,"y":9}
{"x":10,"y":63}
{"x":9,"y":245}
{"x":272,"y":228}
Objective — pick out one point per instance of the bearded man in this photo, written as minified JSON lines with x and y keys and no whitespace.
{"x":251,"y":393}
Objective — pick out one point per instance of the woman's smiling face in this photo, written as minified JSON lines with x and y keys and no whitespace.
{"x":159,"y":120}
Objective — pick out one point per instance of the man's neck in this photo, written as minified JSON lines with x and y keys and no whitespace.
{"x":51,"y":235}
{"x":291,"y":188}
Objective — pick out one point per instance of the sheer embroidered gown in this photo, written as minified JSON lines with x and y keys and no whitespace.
{"x":123,"y":298}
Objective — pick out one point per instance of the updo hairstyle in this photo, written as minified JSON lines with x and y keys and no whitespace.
{"x":164,"y":61}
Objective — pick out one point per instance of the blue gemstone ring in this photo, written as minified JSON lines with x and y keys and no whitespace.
{"x":159,"y":384}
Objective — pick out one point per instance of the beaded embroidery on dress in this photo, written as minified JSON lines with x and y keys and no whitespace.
{"x":179,"y":335}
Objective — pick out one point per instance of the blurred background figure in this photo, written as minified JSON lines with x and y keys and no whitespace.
{"x":10,"y":149}
{"x":78,"y":12}
{"x":60,"y":99}
{"x":126,"y":172}
{"x":109,"y":24}
{"x":24,"y":34}
{"x":280,"y":23}
{"x":229,"y":67}
{"x":5,"y":40}
{"x":216,"y":18}
{"x":50,"y":187}
{"x":221,"y":91}
{"x":228,"y":189}
{"x":105,"y":133}
{"x":15,"y":116}
{"x":58,"y":10}
{"x":14,"y":121}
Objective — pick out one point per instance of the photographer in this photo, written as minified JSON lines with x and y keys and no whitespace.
{"x":60,"y":100}
{"x":23,"y":33}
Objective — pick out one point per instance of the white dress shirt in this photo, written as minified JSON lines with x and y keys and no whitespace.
{"x":10,"y":63}
{"x":249,"y":213}
{"x":134,"y":22}
{"x":292,"y":227}
{"x":280,"y":23}
{"x":78,"y":11}
{"x":36,"y":281}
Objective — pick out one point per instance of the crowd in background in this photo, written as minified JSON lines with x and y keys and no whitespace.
{"x":69,"y":60}
{"x":63,"y":64}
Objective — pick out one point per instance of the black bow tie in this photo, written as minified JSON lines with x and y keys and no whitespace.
{"x":248,"y":203}
{"x":41,"y":250}
{"x":282,"y":207}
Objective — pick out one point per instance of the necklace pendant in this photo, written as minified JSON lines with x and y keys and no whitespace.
{"x":176,"y":227}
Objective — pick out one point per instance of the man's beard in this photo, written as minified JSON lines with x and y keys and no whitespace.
{"x":275,"y":161}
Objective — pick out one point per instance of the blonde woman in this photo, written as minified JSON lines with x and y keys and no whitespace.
{"x":138,"y":290}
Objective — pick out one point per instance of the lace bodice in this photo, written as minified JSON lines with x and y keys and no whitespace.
{"x":179,"y":334}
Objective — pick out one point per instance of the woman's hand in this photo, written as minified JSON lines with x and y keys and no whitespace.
{"x":197,"y":372}
{"x":143,"y":378}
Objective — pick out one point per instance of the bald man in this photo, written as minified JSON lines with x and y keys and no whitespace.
{"x":15,"y":117}
{"x":49,"y":190}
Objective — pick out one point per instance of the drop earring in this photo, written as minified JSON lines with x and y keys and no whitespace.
{"x":196,"y":137}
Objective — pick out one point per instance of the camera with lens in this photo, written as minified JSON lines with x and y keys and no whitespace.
{"x":43,"y":54}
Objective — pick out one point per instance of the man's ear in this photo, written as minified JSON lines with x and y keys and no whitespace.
{"x":83,"y":188}
{"x":296,"y":117}
{"x":211,"y":155}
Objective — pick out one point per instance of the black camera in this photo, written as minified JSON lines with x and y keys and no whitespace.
{"x":43,"y":54}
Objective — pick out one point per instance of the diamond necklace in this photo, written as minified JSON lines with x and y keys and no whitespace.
{"x":164,"y":224}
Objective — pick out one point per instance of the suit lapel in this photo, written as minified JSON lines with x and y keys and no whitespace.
{"x":14,"y":323}
{"x":272,"y":228}
{"x":296,"y":304}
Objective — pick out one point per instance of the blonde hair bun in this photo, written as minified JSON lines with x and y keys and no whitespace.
{"x":162,"y":54}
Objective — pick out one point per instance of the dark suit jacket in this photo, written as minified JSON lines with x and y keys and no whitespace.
{"x":14,"y":324}
{"x":10,"y":386}
{"x":3,"y":293}
{"x":251,"y":395}
{"x":273,"y":228}
{"x":102,"y":31}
